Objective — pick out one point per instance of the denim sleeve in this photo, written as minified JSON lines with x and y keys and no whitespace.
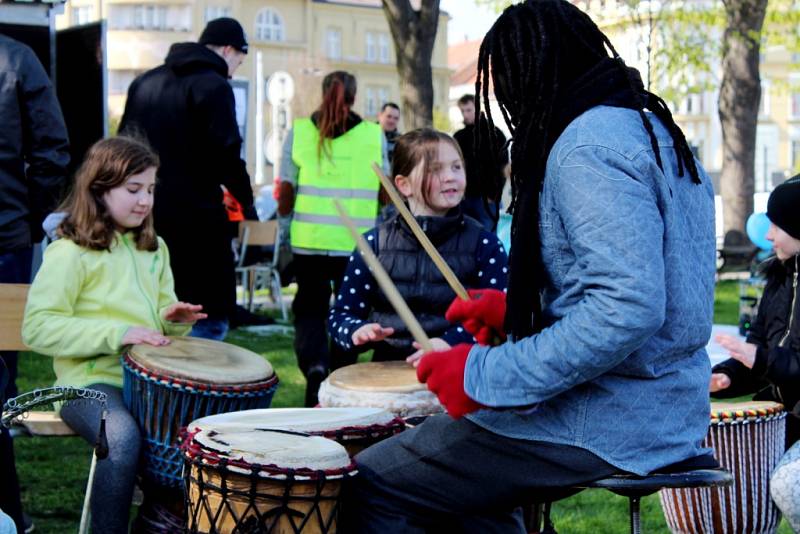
{"x":614,"y":229}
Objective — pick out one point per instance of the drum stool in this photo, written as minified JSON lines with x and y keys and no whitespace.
{"x":634,"y":487}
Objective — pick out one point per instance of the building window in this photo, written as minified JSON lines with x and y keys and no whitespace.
{"x":149,"y":17}
{"x":794,"y":105}
{"x":383,"y":48}
{"x":383,"y":96}
{"x":81,"y":15}
{"x":372,"y":49}
{"x":269,"y":25}
{"x":795,"y":155}
{"x":371,"y":107}
{"x":697,"y":149}
{"x":333,"y":43}
{"x":763,"y":105}
{"x":215,"y":12}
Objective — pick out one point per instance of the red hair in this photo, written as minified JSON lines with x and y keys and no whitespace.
{"x":338,"y":95}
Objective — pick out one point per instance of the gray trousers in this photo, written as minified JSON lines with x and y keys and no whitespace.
{"x":453,"y":476}
{"x":114,"y":476}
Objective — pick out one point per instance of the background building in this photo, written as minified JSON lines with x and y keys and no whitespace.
{"x":306,"y":38}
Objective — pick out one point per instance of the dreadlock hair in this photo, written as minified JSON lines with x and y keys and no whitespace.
{"x":338,"y":95}
{"x":533,"y":53}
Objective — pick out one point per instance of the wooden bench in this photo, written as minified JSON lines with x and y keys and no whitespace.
{"x":12,"y":309}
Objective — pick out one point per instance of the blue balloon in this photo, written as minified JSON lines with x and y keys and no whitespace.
{"x":757,"y":227}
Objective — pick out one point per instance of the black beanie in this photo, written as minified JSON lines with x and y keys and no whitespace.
{"x":224,"y":31}
{"x":783,"y":206}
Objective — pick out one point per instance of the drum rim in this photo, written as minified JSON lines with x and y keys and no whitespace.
{"x":134,"y":367}
{"x":746,"y":413}
{"x":196,"y":454}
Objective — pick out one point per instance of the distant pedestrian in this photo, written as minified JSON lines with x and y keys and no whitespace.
{"x":389,"y":118}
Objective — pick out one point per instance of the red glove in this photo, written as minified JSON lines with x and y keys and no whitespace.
{"x":482,"y":315}
{"x":443,"y":372}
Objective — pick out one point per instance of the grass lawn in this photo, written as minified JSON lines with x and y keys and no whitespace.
{"x":53,"y":471}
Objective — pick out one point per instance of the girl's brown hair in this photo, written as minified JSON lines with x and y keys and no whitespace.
{"x":338,"y":96}
{"x":421,"y":145}
{"x":108,"y":164}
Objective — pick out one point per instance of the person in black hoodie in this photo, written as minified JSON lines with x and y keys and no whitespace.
{"x":324,"y":157}
{"x":186,"y":110}
{"x":768,"y":362}
{"x":34,"y":158}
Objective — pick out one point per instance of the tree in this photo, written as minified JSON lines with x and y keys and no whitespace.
{"x":739,"y":98}
{"x":414,"y":34}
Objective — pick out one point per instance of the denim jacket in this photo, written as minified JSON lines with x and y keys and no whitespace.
{"x":629,"y":254}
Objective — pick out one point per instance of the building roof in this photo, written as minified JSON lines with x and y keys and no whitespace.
{"x":363,"y":3}
{"x":463,"y":59}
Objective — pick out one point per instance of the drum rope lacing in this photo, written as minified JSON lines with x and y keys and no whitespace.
{"x":162,"y":406}
{"x":749,"y":443}
{"x":253,"y":518}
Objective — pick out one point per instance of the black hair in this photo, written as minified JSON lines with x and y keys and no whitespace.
{"x":466,"y":99}
{"x":389,"y":105}
{"x":533,"y":53}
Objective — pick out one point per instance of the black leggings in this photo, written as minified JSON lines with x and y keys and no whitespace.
{"x":114,"y":476}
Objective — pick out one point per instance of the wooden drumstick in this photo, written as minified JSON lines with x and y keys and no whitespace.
{"x":445,"y":269}
{"x":385,"y":283}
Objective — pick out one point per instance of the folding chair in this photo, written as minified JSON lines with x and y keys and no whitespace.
{"x":260,"y":234}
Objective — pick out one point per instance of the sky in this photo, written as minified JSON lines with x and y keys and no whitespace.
{"x":467,"y":19}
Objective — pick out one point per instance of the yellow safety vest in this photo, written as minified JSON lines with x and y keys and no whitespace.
{"x":342,"y":170}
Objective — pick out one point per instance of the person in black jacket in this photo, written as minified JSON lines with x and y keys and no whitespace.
{"x":34,"y":155}
{"x":484,"y":165}
{"x":768,"y":362}
{"x":186,"y":110}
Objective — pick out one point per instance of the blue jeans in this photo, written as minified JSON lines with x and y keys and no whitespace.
{"x":15,"y":268}
{"x":215,"y":329}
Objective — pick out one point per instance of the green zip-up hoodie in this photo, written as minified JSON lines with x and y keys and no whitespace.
{"x":83,"y":301}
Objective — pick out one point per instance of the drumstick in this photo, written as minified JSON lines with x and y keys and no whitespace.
{"x":385,"y":283}
{"x":445,"y":269}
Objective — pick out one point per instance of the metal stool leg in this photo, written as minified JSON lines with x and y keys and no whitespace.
{"x":635,"y":519}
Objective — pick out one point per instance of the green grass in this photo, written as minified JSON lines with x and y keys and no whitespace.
{"x":53,"y":471}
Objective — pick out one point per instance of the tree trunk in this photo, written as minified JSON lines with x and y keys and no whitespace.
{"x":414,"y":33}
{"x":739,"y":99}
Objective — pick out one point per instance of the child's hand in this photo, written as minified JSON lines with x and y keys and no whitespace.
{"x":371,"y":332}
{"x":719,"y":381}
{"x":438,"y":343}
{"x":739,"y":350}
{"x":139,"y":334}
{"x":183,"y":312}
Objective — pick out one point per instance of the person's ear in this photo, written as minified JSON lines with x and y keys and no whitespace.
{"x":403,"y":184}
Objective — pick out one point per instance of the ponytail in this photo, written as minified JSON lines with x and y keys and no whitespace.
{"x":338,"y":95}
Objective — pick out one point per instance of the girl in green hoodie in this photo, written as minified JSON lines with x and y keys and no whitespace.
{"x":106,"y":284}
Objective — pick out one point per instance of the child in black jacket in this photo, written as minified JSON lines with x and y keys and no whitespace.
{"x":768,"y":362}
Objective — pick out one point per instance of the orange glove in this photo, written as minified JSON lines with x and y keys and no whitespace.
{"x":482,"y":315}
{"x":443,"y":373}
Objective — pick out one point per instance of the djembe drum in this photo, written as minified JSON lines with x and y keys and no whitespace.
{"x":392,"y":386}
{"x":165,"y":388}
{"x":748,"y":441}
{"x":244,"y":479}
{"x":354,"y":428}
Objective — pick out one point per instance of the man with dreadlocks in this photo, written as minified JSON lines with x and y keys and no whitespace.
{"x":609,"y":304}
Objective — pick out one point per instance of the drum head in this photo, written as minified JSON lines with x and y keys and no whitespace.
{"x":297,"y":419}
{"x":283,"y":449}
{"x":389,"y":377}
{"x":202,"y":360}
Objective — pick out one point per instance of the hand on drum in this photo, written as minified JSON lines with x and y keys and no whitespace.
{"x":438,"y":343}
{"x":739,"y":350}
{"x":136,"y":335}
{"x":370,"y":332}
{"x":719,"y":381}
{"x":183,"y":312}
{"x":443,"y":373}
